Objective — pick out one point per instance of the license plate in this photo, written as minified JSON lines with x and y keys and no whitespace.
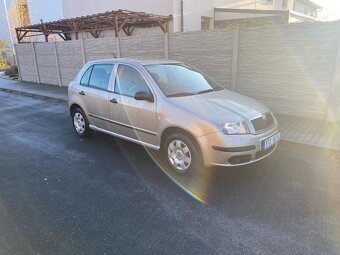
{"x":269,"y":142}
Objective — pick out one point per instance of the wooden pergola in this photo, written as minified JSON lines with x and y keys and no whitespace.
{"x":121,"y":20}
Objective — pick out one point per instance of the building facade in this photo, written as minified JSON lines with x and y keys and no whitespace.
{"x":194,"y":15}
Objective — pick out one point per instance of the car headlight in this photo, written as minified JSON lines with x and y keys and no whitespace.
{"x":238,"y":128}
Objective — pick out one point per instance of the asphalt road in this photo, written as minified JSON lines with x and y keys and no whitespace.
{"x":63,"y":195}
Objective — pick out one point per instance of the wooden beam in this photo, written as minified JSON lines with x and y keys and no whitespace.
{"x":115,"y":22}
{"x":17,"y":33}
{"x":126,"y":19}
{"x":62,"y":36}
{"x":162,"y":27}
{"x":95,"y":33}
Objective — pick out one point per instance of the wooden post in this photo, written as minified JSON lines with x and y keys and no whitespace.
{"x":335,"y":88}
{"x":57,"y":64}
{"x":17,"y":61}
{"x":115,"y":20}
{"x":166,"y":45}
{"x":118,"y":47}
{"x":234,"y":68}
{"x":36,"y":62}
{"x":18,"y":35}
{"x":82,"y":44}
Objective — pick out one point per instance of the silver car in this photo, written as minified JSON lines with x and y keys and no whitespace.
{"x":172,"y":107}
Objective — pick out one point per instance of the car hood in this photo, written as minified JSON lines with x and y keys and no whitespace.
{"x":220,"y":106}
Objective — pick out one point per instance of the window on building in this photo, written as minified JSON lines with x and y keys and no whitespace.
{"x":100,"y":76}
{"x":129,"y":81}
{"x":207,"y":23}
{"x":284,"y":4}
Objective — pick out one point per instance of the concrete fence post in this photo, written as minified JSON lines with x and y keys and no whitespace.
{"x":17,"y":61}
{"x":82,"y":45}
{"x":118,"y":46}
{"x":36,"y":62}
{"x":335,"y":87}
{"x":166,"y":45}
{"x":234,"y":67}
{"x":57,"y":63}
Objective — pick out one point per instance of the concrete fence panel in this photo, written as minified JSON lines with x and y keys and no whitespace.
{"x":26,"y":62}
{"x":289,"y":68}
{"x":70,"y":60}
{"x":46,"y":61}
{"x":147,"y":47}
{"x":209,"y":51}
{"x":101,"y":48}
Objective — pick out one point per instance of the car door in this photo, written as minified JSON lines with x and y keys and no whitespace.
{"x":95,"y":94}
{"x":131,"y":118}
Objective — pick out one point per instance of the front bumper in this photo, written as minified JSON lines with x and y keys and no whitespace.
{"x":219,"y":149}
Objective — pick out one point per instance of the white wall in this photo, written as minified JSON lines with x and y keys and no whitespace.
{"x":193,"y":9}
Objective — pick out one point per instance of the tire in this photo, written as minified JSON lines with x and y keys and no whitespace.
{"x":80,"y":123}
{"x":182,"y":154}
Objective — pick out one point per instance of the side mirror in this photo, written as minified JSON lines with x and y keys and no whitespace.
{"x":144,"y":96}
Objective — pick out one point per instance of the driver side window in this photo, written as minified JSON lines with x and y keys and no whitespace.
{"x":129,"y":81}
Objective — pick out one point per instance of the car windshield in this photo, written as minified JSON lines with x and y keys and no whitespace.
{"x":177,"y":80}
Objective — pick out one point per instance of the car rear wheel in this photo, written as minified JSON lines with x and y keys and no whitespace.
{"x":181,"y":153}
{"x":80,"y":123}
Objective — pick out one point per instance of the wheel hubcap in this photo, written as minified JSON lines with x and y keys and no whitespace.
{"x":179,"y":155}
{"x":79,"y":123}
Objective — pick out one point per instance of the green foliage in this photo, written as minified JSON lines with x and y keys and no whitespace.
{"x":3,"y":45}
{"x":3,"y":60}
{"x":12,"y":72}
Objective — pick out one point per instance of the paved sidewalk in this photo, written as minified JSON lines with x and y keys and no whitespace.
{"x":309,"y":131}
{"x":293,"y":129}
{"x":34,"y":89}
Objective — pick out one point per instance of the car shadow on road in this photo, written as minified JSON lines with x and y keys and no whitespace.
{"x":206,"y":185}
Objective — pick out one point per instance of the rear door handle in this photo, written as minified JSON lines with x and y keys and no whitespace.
{"x":114,"y":101}
{"x":82,"y":93}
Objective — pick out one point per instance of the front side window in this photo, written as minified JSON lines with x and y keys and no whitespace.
{"x":100,"y":76}
{"x":86,"y":77}
{"x":129,"y":81}
{"x":180,"y":80}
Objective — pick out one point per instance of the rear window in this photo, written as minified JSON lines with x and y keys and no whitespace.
{"x":86,"y":77}
{"x":100,"y":76}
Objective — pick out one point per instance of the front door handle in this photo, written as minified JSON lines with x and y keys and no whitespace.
{"x":114,"y":101}
{"x":82,"y":93}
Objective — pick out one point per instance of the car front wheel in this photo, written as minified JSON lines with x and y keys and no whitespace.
{"x":182,"y":154}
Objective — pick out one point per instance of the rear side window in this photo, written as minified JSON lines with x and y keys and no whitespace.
{"x":100,"y":76}
{"x":86,"y":77}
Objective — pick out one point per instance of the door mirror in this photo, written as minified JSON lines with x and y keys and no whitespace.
{"x":144,"y":96}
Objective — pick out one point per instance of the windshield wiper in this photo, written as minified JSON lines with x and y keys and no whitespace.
{"x":206,"y":91}
{"x":209,"y":90}
{"x":182,"y":94}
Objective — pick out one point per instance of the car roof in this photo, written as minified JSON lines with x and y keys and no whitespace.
{"x":135,"y":61}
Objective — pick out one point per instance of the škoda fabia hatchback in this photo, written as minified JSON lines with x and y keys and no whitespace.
{"x":172,"y":107}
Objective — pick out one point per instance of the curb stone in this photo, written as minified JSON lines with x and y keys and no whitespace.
{"x":23,"y":93}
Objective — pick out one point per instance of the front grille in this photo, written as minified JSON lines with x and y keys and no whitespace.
{"x":263,"y":122}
